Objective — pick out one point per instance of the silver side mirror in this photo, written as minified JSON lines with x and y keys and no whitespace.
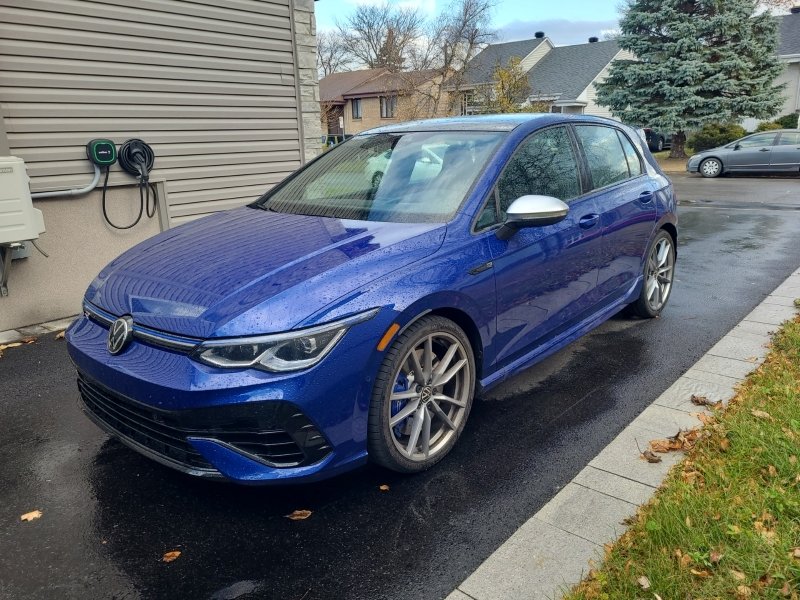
{"x":532,"y":211}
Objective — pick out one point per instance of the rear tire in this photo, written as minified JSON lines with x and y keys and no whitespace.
{"x":659,"y":273}
{"x":422,"y":396}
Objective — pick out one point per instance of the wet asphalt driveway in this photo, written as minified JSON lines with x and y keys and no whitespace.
{"x":109,"y":514}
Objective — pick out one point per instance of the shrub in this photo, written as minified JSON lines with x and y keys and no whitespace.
{"x":787,"y":122}
{"x":768,"y":126}
{"x":716,"y":134}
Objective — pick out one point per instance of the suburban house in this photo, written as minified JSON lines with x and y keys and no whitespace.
{"x":562,"y":77}
{"x":355,"y":101}
{"x":226,"y":94}
{"x":789,"y":53}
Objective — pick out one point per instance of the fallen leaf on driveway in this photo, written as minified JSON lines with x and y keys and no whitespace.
{"x":650,"y":457}
{"x":643,"y":582}
{"x":703,"y":401}
{"x":761,"y":414}
{"x":31,"y":516}
{"x":383,"y":488}
{"x":60,"y":335}
{"x":170,"y":556}
{"x":299,"y":515}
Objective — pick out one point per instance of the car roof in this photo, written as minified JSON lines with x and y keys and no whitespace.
{"x":506,"y":122}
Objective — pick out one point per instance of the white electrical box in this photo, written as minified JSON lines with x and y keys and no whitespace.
{"x":19,"y":221}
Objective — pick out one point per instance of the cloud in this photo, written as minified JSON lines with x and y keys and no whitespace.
{"x":560,"y":31}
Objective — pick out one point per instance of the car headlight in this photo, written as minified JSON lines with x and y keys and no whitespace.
{"x":290,"y":351}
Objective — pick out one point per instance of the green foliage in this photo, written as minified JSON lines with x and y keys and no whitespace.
{"x":698,"y":62}
{"x":768,"y":126}
{"x":787,"y":121}
{"x":716,"y":134}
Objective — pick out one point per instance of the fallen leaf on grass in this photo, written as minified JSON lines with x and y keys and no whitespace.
{"x":792,"y":460}
{"x":743,"y":592}
{"x":700,"y":573}
{"x":724,"y":444}
{"x":761,"y":414}
{"x":772,"y":471}
{"x":703,"y":418}
{"x":299,"y":515}
{"x":688,"y":521}
{"x":786,"y":590}
{"x":383,"y":488}
{"x":715,"y":556}
{"x":31,"y":516}
{"x":738,"y":575}
{"x":60,"y":335}
{"x":643,"y":582}
{"x":650,"y":457}
{"x":170,"y":556}
{"x":795,"y":552}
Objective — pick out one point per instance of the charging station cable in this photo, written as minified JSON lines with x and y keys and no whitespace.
{"x":137,"y":158}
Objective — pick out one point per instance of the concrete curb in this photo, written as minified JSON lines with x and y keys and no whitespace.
{"x":550,"y":553}
{"x":14,"y":335}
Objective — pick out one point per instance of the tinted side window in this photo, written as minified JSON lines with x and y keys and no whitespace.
{"x":543,"y":165}
{"x":634,"y":162}
{"x":604,"y":154}
{"x":756,"y":141}
{"x":789,"y":139}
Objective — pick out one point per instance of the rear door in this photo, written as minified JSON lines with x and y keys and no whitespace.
{"x":546,"y":276}
{"x":785,"y":153}
{"x":752,"y":153}
{"x":625,"y":197}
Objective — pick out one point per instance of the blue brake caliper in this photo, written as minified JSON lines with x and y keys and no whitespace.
{"x":401,"y":385}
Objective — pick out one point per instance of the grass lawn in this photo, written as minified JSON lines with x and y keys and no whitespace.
{"x":726,"y":522}
{"x":672,"y":165}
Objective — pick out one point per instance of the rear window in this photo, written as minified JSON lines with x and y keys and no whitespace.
{"x":605,"y":156}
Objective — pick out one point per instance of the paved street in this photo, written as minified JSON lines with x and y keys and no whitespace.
{"x":109,"y":514}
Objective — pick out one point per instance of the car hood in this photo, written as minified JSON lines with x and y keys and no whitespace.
{"x":250,"y":271}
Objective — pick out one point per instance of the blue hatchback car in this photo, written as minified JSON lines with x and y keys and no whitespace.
{"x":344,"y":317}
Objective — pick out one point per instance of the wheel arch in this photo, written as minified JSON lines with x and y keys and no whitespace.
{"x":673,"y":233}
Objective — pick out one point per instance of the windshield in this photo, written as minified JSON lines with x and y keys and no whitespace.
{"x":419,"y":177}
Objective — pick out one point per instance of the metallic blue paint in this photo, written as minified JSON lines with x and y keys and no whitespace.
{"x":250,"y":272}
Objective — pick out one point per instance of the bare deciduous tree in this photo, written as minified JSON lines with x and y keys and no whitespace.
{"x":331,"y":54}
{"x":380,"y":35}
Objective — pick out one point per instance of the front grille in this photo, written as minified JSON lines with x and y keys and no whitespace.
{"x":275,"y":433}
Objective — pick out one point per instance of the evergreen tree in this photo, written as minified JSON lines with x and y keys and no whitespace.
{"x":697,"y":62}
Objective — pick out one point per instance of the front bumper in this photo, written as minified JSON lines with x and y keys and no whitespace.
{"x":244,"y":425}
{"x":693,"y":164}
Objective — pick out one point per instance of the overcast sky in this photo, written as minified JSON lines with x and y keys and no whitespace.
{"x":566,"y":22}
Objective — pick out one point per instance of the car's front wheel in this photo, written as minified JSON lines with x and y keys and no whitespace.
{"x":659,"y":271}
{"x":422,"y":396}
{"x":711,"y":167}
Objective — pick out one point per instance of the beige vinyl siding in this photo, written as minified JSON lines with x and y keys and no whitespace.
{"x":210,"y":85}
{"x":534,"y":57}
{"x":589,"y":95}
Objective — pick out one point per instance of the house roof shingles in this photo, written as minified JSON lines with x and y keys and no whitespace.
{"x":789,"y":35}
{"x":566,"y":71}
{"x":333,"y":87}
{"x":481,"y":68}
{"x":391,"y":82}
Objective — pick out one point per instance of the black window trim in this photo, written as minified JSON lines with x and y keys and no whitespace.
{"x":353,"y":109}
{"x":494,"y":194}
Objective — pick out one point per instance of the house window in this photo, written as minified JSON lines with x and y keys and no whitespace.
{"x":356,"y":102}
{"x":388,"y":107}
{"x":555,"y":109}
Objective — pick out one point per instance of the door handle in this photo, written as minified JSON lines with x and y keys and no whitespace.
{"x":764,"y":150}
{"x":646,"y":197}
{"x":589,"y":221}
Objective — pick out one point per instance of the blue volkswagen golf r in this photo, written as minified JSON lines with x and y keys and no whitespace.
{"x":343,"y":317}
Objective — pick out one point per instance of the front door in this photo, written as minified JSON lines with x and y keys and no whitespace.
{"x":546,"y":277}
{"x":752,"y":153}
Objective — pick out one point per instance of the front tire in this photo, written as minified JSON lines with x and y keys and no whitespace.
{"x":422,"y":396}
{"x":710,"y":168}
{"x":659,"y":272}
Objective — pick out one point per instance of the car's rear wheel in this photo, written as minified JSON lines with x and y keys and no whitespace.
{"x":422,"y":396}
{"x":659,"y":271}
{"x":711,"y":167}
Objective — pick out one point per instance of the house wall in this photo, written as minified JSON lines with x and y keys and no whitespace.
{"x":225,"y":93}
{"x":409,"y":107}
{"x":790,"y":77}
{"x":534,"y":57}
{"x":589,"y":95}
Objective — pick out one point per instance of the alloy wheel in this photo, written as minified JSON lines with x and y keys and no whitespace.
{"x":430,"y":396}
{"x":660,"y":270}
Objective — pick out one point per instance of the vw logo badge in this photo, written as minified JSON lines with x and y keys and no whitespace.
{"x":120,"y":334}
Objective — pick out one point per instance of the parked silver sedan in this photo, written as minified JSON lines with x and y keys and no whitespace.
{"x":777,"y":150}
